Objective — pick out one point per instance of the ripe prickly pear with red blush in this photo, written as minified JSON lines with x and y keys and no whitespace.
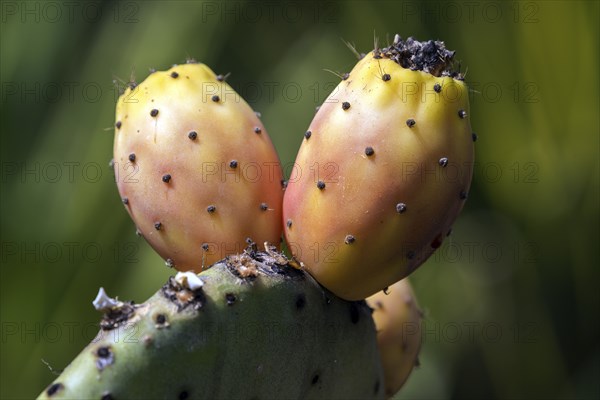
{"x":398,"y":322}
{"x":195,"y":167}
{"x":384,"y":171}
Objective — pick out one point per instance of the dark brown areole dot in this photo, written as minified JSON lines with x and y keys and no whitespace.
{"x":386,"y":77}
{"x":443,"y":161}
{"x":463,"y":195}
{"x":193,"y":135}
{"x":183,"y":395}
{"x":257,"y":130}
{"x":449,"y":232}
{"x":345,"y":106}
{"x":411,"y":254}
{"x":125,"y":200}
{"x":215,"y":98}
{"x":118,"y":124}
{"x":401,"y":208}
{"x":369,"y":151}
{"x":138,"y":232}
{"x":230,"y":298}
{"x":345,"y":76}
{"x":233,"y":164}
{"x":410,"y":122}
{"x":103,"y":352}
{"x":169,"y":263}
{"x":158,"y":226}
{"x":307,"y":134}
{"x":300,"y":301}
{"x":289,"y":223}
{"x":174,"y":75}
{"x":314,"y":379}
{"x":317,"y":108}
{"x":321,"y":185}
{"x":284,"y":184}
{"x":211,"y":209}
{"x":264,"y":206}
{"x":220,"y":77}
{"x":132,"y":157}
{"x":111,"y":164}
{"x":205,"y":246}
{"x":153,"y":112}
{"x":54,"y":388}
{"x":160,"y":319}
{"x":349,"y":239}
{"x":474,"y":136}
{"x":462,"y":113}
{"x":437,"y":87}
{"x":166,"y":178}
{"x":437,"y":242}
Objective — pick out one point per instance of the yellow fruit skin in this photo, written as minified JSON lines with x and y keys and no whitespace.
{"x":362,"y":192}
{"x":200,"y":168}
{"x":398,"y":322}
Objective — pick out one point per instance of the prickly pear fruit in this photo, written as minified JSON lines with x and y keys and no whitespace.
{"x":249,"y":327}
{"x":195,"y":167}
{"x":398,"y":322}
{"x":383,"y":171}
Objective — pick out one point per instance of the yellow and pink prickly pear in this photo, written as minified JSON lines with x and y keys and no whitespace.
{"x":398,"y":322}
{"x":384,"y":172}
{"x":195,"y":167}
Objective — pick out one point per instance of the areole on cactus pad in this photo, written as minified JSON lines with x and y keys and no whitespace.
{"x":195,"y":167}
{"x":383,"y":171}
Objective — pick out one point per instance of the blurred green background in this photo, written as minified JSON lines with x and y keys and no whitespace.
{"x":511,"y":299}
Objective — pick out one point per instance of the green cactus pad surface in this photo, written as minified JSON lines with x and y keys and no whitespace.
{"x":253,"y":328}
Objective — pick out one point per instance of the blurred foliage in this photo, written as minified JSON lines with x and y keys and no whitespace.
{"x":511,"y":298}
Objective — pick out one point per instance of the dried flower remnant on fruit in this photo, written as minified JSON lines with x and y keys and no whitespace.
{"x":429,"y":56}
